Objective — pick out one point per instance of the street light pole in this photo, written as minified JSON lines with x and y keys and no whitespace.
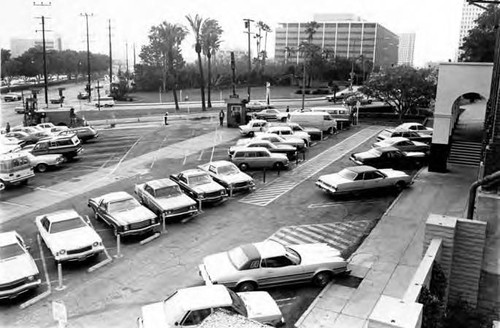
{"x":247,"y":25}
{"x":45,"y":80}
{"x":88,"y":53}
{"x":110,"y":57}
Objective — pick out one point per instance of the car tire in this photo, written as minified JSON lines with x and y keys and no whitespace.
{"x":400,"y":185}
{"x":251,"y":134}
{"x":2,"y":185}
{"x":283,"y":119}
{"x":42,"y":167}
{"x":247,"y":286}
{"x":278,"y":166}
{"x":25,"y":182}
{"x":322,"y":279}
{"x":330,"y":131}
{"x":243,"y":166}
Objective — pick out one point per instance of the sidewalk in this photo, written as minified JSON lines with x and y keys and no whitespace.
{"x":389,"y":256}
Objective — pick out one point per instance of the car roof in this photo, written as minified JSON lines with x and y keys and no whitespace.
{"x":268,"y":249}
{"x":8,"y":238}
{"x":194,"y":172}
{"x":60,"y":215}
{"x":116,"y":196}
{"x":395,"y":139}
{"x":282,"y":127}
{"x":160,"y":183}
{"x":11,"y":156}
{"x":361,"y":168}
{"x":252,"y":149}
{"x":386,"y":149}
{"x":257,"y":121}
{"x":202,"y":297}
{"x":408,"y":124}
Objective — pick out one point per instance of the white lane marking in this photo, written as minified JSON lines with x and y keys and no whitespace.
{"x":14,"y":204}
{"x":49,"y":190}
{"x":333,"y":204}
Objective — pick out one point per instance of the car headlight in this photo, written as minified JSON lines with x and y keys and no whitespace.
{"x":153,"y":221}
{"x":31,"y":278}
{"x":223,"y":192}
{"x":201,"y":195}
{"x":125,"y":228}
{"x":95,"y":244}
{"x":61,"y":252}
{"x":192,"y":207}
{"x":169,"y":212}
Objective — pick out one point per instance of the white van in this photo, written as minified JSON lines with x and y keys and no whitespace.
{"x":319,"y":120}
{"x":341,"y":114}
{"x":15,"y":168}
{"x":104,"y":102}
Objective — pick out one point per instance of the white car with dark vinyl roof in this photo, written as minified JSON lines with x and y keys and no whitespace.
{"x":268,"y":263}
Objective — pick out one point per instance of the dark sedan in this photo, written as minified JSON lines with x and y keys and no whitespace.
{"x":83,"y":133}
{"x":389,"y":157}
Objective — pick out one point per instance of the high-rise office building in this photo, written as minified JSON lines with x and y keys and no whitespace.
{"x":19,"y":46}
{"x":406,"y":49}
{"x":469,"y":15}
{"x":342,"y":35}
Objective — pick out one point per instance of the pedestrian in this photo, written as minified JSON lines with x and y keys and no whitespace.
{"x":288,"y":112}
{"x":7,"y":128}
{"x":166,"y":118}
{"x":221,"y":117}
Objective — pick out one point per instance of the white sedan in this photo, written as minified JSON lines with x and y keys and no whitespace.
{"x":228,"y":175}
{"x":18,"y":271}
{"x":190,"y":306}
{"x":361,"y":178}
{"x":269,"y":263}
{"x":416,"y":127}
{"x":68,"y":236}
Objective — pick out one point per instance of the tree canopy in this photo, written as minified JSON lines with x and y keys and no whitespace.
{"x":479,"y":44}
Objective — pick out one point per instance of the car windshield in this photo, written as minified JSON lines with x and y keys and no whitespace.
{"x":238,"y":303}
{"x":227,"y":170}
{"x":166,"y":192}
{"x":9,"y":251}
{"x":292,"y":255}
{"x":196,"y":180}
{"x":172,"y":308}
{"x":238,"y":257}
{"x":65,"y":225}
{"x":347,"y":174}
{"x":123,"y":205}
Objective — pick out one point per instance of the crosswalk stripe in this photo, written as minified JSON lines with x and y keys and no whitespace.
{"x":302,"y":236}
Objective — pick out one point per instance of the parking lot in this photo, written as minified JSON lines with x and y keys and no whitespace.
{"x":283,"y":199}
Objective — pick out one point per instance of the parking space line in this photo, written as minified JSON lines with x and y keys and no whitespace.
{"x":14,"y":204}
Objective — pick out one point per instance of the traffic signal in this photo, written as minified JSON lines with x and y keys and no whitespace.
{"x":247,"y":24}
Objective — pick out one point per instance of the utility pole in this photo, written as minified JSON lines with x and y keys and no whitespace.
{"x":247,"y":25}
{"x":134,"y":57}
{"x":45,"y":81}
{"x":126,"y":57}
{"x":86,"y":15}
{"x":110,"y":57}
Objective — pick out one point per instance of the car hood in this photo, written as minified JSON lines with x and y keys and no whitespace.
{"x":333,"y":179}
{"x":261,"y":306}
{"x":317,"y":253}
{"x":286,"y":147}
{"x":311,"y":130}
{"x":208,"y":187}
{"x":235,"y":178}
{"x":219,"y":267}
{"x":153,"y":316}
{"x":138,"y":214}
{"x":74,"y":238}
{"x":171,"y":203}
{"x":394,"y":173}
{"x":415,"y":154}
{"x":364,"y":155}
{"x":17,"y":268}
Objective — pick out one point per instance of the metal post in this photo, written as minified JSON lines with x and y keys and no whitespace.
{"x":264,"y":177}
{"x":199,"y":206}
{"x":304,"y":82}
{"x":60,"y":277}
{"x":110,"y":58}
{"x":230,"y":190}
{"x":247,"y":24}
{"x":45,"y":64}
{"x":118,"y":246}
{"x":164,"y":224}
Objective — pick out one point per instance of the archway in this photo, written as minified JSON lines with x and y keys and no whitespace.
{"x":454,"y":81}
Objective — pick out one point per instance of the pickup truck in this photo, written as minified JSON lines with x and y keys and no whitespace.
{"x":165,"y":198}
{"x":198,"y":185}
{"x":124,"y":214}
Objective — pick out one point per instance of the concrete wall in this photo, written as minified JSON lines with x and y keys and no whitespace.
{"x":454,"y":80}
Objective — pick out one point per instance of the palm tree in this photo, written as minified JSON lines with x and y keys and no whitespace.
{"x":196,"y":24}
{"x":210,"y":42}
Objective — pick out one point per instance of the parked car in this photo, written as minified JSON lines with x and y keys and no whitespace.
{"x":190,"y":306}
{"x":268,"y":263}
{"x":389,"y":157}
{"x":416,"y":127}
{"x":42,"y":163}
{"x":69,"y":146}
{"x":29,"y":139}
{"x":12,"y":97}
{"x":342,"y":115}
{"x":19,"y":109}
{"x":104,"y":102}
{"x":403,"y":144}
{"x":47,"y":127}
{"x":411,"y":135}
{"x":363,"y":178}
{"x":257,"y":105}
{"x":278,"y":140}
{"x":15,"y":168}
{"x":288,"y":150}
{"x":27,"y":129}
{"x":199,"y":185}
{"x":287,"y":133}
{"x":68,"y":236}
{"x":228,"y":175}
{"x":356,"y":97}
{"x":84,"y":133}
{"x":11,"y":141}
{"x":322,"y":121}
{"x":165,"y":198}
{"x":83,"y":95}
{"x":272,"y":114}
{"x":342,"y":94}
{"x":18,"y":270}
{"x":253,"y":126}
{"x":314,"y":133}
{"x":258,"y":158}
{"x":122,"y":212}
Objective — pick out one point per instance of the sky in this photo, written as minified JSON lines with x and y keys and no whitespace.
{"x":436,"y":23}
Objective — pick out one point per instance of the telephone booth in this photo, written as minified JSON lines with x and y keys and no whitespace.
{"x":236,"y":111}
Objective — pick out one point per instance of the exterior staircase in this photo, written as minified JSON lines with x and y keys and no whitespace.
{"x":466,"y":153}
